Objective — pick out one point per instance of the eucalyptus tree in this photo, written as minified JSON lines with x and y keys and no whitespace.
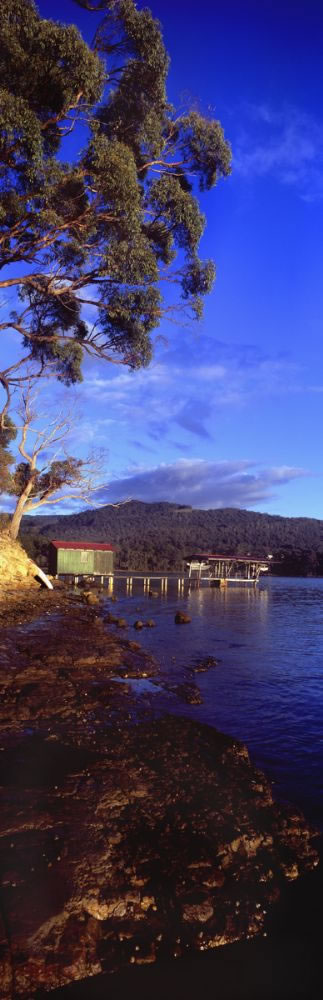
{"x":105,"y":231}
{"x":44,"y":471}
{"x":7,"y":434}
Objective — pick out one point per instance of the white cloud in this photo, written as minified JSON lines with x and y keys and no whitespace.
{"x":7,"y":504}
{"x":210,"y":372}
{"x":285,"y":143}
{"x":196,"y":481}
{"x":203,"y":483}
{"x":184,"y":390}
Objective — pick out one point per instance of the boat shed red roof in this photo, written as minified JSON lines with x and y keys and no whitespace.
{"x":101,"y":546}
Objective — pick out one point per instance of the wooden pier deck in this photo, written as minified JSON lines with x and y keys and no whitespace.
{"x":149,"y":580}
{"x":161,"y":581}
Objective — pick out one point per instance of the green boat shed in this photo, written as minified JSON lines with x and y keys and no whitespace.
{"x":80,"y":558}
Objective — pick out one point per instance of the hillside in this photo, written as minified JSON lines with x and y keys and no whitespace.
{"x":162,"y":535}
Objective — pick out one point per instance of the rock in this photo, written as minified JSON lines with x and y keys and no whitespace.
{"x":124,"y":849}
{"x":153,"y":593}
{"x":6,"y":972}
{"x":181,"y":618}
{"x":138,"y":624}
{"x":198,"y":911}
{"x":90,"y":598}
{"x":204,"y":665}
{"x":98,"y":621}
{"x":122,"y":843}
{"x":150,"y":623}
{"x":82,"y":661}
{"x":15,"y":565}
{"x":189,"y":693}
{"x":144,"y":956}
{"x":121,"y":623}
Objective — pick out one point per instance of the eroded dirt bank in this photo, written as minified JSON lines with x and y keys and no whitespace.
{"x":124,"y":839}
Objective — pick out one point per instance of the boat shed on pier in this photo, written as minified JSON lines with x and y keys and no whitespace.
{"x":223,"y":569}
{"x":80,"y":558}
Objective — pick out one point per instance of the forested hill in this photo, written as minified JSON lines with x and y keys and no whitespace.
{"x":162,"y":535}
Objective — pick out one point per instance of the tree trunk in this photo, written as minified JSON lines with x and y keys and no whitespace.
{"x":16,"y":518}
{"x":22,"y":501}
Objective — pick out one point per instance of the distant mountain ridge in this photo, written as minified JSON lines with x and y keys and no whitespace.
{"x":162,"y":535}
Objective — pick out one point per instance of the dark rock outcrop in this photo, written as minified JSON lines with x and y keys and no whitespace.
{"x":202,"y":666}
{"x":120,"y":842}
{"x":189,"y":693}
{"x":90,"y":597}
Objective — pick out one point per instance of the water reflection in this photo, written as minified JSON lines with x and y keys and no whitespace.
{"x":268,"y":688}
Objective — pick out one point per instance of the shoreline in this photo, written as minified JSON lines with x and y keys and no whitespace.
{"x":138,"y":840}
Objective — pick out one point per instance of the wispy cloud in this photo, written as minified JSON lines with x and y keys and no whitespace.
{"x":203,"y":483}
{"x":195,"y":481}
{"x":7,"y":504}
{"x":285,"y":143}
{"x":184,"y":390}
{"x":141,"y":446}
{"x":194,"y":416}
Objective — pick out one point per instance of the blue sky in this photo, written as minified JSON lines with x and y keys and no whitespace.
{"x":230,"y":412}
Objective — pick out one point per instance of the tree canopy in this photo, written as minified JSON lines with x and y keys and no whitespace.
{"x":110,"y":227}
{"x":7,"y":434}
{"x":44,"y":472}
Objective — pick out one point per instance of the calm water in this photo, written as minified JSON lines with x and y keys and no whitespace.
{"x":268,"y":688}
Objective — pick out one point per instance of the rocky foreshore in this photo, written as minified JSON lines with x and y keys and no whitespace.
{"x":125,"y":839}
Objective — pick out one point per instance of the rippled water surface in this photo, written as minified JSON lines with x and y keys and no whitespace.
{"x":268,"y":688}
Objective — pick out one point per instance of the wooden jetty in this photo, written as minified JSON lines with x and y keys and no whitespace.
{"x":95,"y":561}
{"x":149,"y":582}
{"x":219,"y":576}
{"x":221,"y":570}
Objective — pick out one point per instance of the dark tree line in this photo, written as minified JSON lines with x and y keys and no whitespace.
{"x":161,"y":536}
